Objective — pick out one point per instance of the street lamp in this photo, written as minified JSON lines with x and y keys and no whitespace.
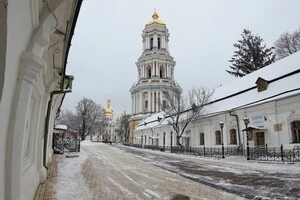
{"x":222,"y":126}
{"x":79,"y":139}
{"x":246,"y":122}
{"x":171,"y":142}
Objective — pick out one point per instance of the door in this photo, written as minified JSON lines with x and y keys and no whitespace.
{"x":260,"y":138}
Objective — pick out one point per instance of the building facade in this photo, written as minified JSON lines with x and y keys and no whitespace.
{"x":155,"y":74}
{"x":269,"y":98}
{"x":155,"y":70}
{"x":35,"y":39}
{"x":109,"y":131}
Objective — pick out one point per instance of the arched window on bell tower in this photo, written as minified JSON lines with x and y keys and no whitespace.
{"x":149,"y":72}
{"x":162,"y":72}
{"x":158,"y":43}
{"x":151,"y":43}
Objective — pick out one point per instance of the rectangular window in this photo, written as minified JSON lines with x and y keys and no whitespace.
{"x":218,"y":137}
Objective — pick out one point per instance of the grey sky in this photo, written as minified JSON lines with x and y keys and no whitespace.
{"x":107,"y":42}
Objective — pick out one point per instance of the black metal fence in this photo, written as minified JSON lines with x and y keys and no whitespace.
{"x":265,"y":153}
{"x":277,"y":154}
{"x":197,"y":151}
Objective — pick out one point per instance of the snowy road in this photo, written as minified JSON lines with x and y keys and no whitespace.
{"x":250,"y":180}
{"x":109,"y":172}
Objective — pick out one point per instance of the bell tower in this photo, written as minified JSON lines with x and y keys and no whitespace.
{"x":155,"y":70}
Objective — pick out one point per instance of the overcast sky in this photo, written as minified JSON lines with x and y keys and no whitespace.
{"x":108,"y":42}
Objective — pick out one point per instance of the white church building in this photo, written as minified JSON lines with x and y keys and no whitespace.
{"x":269,"y":98}
{"x":35,"y":39}
{"x":155,"y":73}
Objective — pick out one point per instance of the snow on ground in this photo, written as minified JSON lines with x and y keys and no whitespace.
{"x":69,"y":182}
{"x":106,"y":172}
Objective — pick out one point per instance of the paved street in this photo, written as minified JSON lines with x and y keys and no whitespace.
{"x":247,"y":179}
{"x":109,"y":172}
{"x":105,"y":172}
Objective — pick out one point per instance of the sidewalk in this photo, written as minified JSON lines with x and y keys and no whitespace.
{"x":45,"y":190}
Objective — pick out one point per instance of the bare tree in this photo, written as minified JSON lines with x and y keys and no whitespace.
{"x":67,"y":117}
{"x":287,"y":44}
{"x":182,"y":110}
{"x":124,"y":126}
{"x":90,"y":115}
{"x":88,"y":118}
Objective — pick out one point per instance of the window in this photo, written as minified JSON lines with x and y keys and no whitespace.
{"x":218,"y":137}
{"x":295,"y":126}
{"x":158,"y":43}
{"x":149,"y":72}
{"x":233,"y":136}
{"x":151,"y":43}
{"x":146,"y":104}
{"x":161,"y":72}
{"x":261,"y":84}
{"x":164,"y":106}
{"x":201,"y":138}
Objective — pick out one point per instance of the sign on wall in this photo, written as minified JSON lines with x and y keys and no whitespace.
{"x":257,"y":121}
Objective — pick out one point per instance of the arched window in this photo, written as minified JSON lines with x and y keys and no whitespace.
{"x":149,"y":72}
{"x":158,"y":43}
{"x":218,"y":137}
{"x":164,"y":106}
{"x":233,"y":139}
{"x":162,"y":72}
{"x":295,"y":128}
{"x":201,"y":138}
{"x":151,"y":43}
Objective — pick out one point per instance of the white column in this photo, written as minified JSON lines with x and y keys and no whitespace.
{"x":153,"y":68}
{"x":135,"y":103}
{"x":152,"y":99}
{"x":132,"y":108}
{"x":157,"y":103}
{"x":157,"y":71}
{"x":147,"y":42}
{"x":141,"y":102}
{"x":155,"y":40}
{"x":160,"y":99}
{"x":149,"y":101}
{"x":143,"y":70}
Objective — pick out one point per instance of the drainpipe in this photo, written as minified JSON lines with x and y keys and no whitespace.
{"x":46,"y":133}
{"x":238,"y":126}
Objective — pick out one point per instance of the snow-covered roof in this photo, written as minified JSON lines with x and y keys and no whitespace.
{"x":242,"y":92}
{"x":270,"y":72}
{"x":277,"y":88}
{"x":61,"y":127}
{"x":153,"y":119}
{"x":137,"y":117}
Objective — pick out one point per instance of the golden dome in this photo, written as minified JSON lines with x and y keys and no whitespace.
{"x":107,"y":110}
{"x":155,"y":19}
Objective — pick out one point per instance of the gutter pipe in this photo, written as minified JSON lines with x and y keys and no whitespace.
{"x":238,"y":127}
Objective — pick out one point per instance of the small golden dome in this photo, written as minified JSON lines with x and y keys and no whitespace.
{"x":107,"y":110}
{"x":155,"y":19}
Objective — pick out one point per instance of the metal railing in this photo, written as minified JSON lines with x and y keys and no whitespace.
{"x":276,"y":154}
{"x":265,"y":153}
{"x":197,"y":151}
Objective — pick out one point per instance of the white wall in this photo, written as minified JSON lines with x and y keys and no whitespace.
{"x":282,"y":111}
{"x":25,"y":93}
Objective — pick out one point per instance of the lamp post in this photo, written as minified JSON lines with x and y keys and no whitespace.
{"x":246,"y":122}
{"x":79,"y":138}
{"x":171,"y":142}
{"x":222,"y":126}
